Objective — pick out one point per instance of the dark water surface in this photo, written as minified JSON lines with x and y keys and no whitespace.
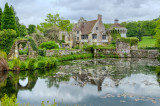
{"x":101,"y":82}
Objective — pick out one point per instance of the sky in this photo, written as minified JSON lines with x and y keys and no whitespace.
{"x":35,"y":11}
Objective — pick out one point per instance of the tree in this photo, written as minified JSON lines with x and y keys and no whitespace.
{"x":8,"y":19}
{"x":6,"y":39}
{"x":56,"y":20}
{"x":132,"y":29}
{"x":23,"y":30}
{"x":157,"y":36}
{"x":1,"y":13}
{"x":17,"y":20}
{"x":31,"y":29}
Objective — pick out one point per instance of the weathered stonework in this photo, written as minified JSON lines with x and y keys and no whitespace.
{"x":14,"y":52}
{"x":62,"y":52}
{"x":152,"y":54}
{"x":105,"y":52}
{"x":123,"y":49}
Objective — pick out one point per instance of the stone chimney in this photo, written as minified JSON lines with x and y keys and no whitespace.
{"x":100,"y":17}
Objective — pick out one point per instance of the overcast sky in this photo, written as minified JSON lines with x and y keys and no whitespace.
{"x":35,"y":11}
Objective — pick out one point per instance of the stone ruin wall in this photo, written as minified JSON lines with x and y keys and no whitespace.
{"x":63,"y":52}
{"x":125,"y":50}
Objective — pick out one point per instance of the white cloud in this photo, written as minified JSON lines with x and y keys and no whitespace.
{"x":35,"y":11}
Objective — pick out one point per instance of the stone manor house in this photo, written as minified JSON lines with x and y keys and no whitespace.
{"x":91,"y":32}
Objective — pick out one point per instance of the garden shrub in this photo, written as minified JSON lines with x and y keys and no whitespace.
{"x":49,"y":45}
{"x":31,"y":64}
{"x":3,"y":55}
{"x":89,"y":48}
{"x":7,"y":37}
{"x":16,"y":63}
{"x":23,"y":66}
{"x":132,"y":41}
{"x":41,"y":64}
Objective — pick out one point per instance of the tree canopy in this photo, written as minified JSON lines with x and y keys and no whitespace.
{"x":8,"y":19}
{"x":1,"y":13}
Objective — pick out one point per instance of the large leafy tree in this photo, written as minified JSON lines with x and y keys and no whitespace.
{"x":132,"y":29}
{"x":56,"y":20}
{"x":23,"y":30}
{"x":6,"y":39}
{"x":157,"y":36}
{"x":1,"y":13}
{"x":8,"y":19}
{"x":17,"y":20}
{"x":31,"y":29}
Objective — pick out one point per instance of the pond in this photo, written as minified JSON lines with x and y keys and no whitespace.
{"x":95,"y":82}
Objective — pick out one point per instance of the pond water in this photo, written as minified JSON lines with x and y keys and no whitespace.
{"x":97,"y":82}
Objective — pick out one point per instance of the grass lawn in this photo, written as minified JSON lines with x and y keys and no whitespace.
{"x":147,"y":42}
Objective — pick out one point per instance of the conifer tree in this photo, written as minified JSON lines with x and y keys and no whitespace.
{"x":8,"y":19}
{"x":0,"y":17}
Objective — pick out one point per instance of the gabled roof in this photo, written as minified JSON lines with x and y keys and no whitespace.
{"x":85,"y":27}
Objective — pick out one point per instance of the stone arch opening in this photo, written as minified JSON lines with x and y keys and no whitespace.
{"x":14,"y":52}
{"x":23,"y":48}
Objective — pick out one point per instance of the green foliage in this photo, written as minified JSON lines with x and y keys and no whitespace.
{"x":23,"y":52}
{"x":41,"y":64}
{"x":147,"y":43}
{"x":16,"y":63}
{"x":23,"y":66}
{"x":74,"y":57}
{"x":8,"y":19}
{"x":33,"y":44}
{"x":157,"y":36}
{"x":31,"y":29}
{"x":6,"y":39}
{"x":9,"y":101}
{"x":23,"y":31}
{"x":31,"y":64}
{"x":1,"y":13}
{"x":102,"y":55}
{"x":89,"y":48}
{"x":132,"y":40}
{"x":115,"y":35}
{"x":3,"y":55}
{"x":49,"y":45}
{"x":56,"y":20}
{"x":77,"y":47}
{"x":42,"y":52}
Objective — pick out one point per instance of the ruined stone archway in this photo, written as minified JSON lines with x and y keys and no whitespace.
{"x":14,"y":52}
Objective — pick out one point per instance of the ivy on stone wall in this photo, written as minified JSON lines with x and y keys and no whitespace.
{"x":33,"y":44}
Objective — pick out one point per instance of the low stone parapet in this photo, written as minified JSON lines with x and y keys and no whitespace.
{"x":62,"y":52}
{"x":152,"y":54}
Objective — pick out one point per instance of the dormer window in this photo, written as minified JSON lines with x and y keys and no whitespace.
{"x":77,"y":32}
{"x":96,"y":28}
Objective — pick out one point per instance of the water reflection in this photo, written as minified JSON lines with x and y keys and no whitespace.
{"x":87,"y":82}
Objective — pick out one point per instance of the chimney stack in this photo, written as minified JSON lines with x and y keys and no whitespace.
{"x":100,"y":17}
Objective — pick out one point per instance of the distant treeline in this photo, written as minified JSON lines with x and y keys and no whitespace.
{"x":139,"y":28}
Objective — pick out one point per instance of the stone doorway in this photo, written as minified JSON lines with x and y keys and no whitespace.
{"x":16,"y":52}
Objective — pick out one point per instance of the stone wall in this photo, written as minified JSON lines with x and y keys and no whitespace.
{"x":62,"y":52}
{"x":123,"y":49}
{"x":98,"y":52}
{"x":144,"y":54}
